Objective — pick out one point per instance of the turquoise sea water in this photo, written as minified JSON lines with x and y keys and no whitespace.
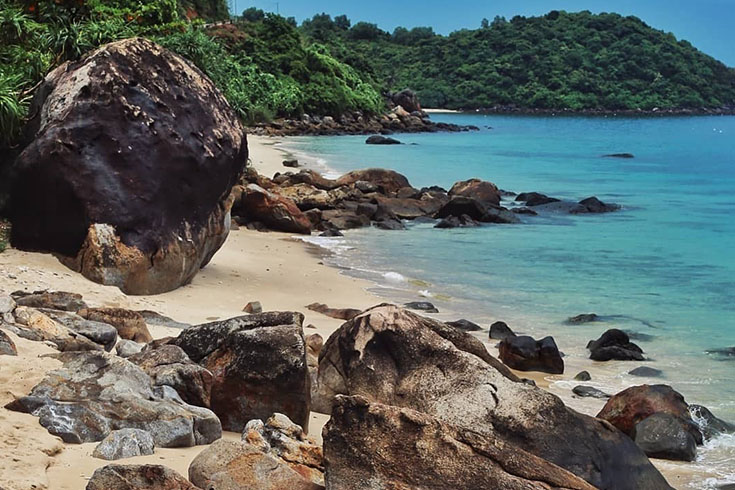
{"x":664,"y":266}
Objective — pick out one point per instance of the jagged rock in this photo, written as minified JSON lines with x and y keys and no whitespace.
{"x":259,"y":366}
{"x":124,"y":443}
{"x":501,"y":331}
{"x":625,"y":409}
{"x":376,"y":443}
{"x":387,"y":181}
{"x":589,"y":392}
{"x":253,"y":307}
{"x":381,"y":140}
{"x":40,"y":327}
{"x":393,"y":356}
{"x":95,"y":393}
{"x":170,"y":366}
{"x":255,"y":204}
{"x":131,"y":156}
{"x":465,"y":325}
{"x":482,"y":191}
{"x":646,"y":371}
{"x":583,"y":318}
{"x":57,"y":300}
{"x":127,"y":348}
{"x":98,"y":332}
{"x":338,"y":313}
{"x":7,"y":346}
{"x":666,"y":437}
{"x":614,"y":344}
{"x":130,"y":324}
{"x":535,"y":198}
{"x":525,"y":353}
{"x":582,"y":376}
{"x":594,"y":205}
{"x":137,"y":477}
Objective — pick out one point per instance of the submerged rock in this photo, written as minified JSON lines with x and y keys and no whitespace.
{"x":259,"y":366}
{"x":462,"y":221}
{"x":465,"y":325}
{"x":583,"y":318}
{"x":393,"y":356}
{"x":393,"y":447}
{"x":137,"y":477}
{"x":124,"y":443}
{"x":614,"y":344}
{"x":424,"y":306}
{"x":95,"y":393}
{"x":619,"y":155}
{"x":527,"y":354}
{"x":381,"y":140}
{"x":646,"y":371}
{"x":594,"y":205}
{"x":582,"y":376}
{"x":710,"y":425}
{"x":132,"y":153}
{"x":535,"y":198}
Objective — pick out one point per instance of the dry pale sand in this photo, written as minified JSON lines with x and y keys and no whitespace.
{"x":275,"y":269}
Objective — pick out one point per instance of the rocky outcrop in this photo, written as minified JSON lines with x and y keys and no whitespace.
{"x":393,"y":356}
{"x":594,"y":205}
{"x":407,"y":99}
{"x":480,"y":190}
{"x":95,"y":393}
{"x":132,"y":153}
{"x":386,"y":181}
{"x":614,"y":344}
{"x":476,"y":210}
{"x":527,"y":354}
{"x":376,"y":443}
{"x":255,"y":204}
{"x":275,"y":455}
{"x":137,"y":477}
{"x":259,"y":366}
{"x":168,"y":365}
{"x":130,"y":325}
{"x":124,"y":443}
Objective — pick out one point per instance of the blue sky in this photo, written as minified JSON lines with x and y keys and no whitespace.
{"x":708,"y":24}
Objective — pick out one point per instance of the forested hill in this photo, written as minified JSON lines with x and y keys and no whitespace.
{"x":560,"y":60}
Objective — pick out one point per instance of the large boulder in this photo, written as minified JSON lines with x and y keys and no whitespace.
{"x":481,"y":190}
{"x":635,"y":404}
{"x":614,"y":344}
{"x":393,"y":356}
{"x":137,"y":477}
{"x":376,"y":443}
{"x":95,"y":393}
{"x":407,"y":99}
{"x":666,"y":437}
{"x":525,"y":353}
{"x":272,"y":456}
{"x":132,"y":153}
{"x":387,"y":181}
{"x":168,"y":365}
{"x":377,"y":139}
{"x":477,"y":210}
{"x":255,"y":204}
{"x":259,"y":366}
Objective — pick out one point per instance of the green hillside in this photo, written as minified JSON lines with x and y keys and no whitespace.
{"x":561,"y":60}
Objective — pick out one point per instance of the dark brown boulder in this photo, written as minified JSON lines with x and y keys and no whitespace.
{"x":396,"y":357}
{"x":481,"y":190}
{"x":54,"y":300}
{"x":476,"y":210}
{"x":594,"y":205}
{"x":273,"y":210}
{"x":130,"y":324}
{"x":137,"y":477}
{"x":633,"y":405}
{"x":168,"y":365}
{"x":407,"y":99}
{"x":525,"y":353}
{"x":388,"y":181}
{"x":535,"y":198}
{"x":377,"y":443}
{"x":129,"y":160}
{"x":614,"y":344}
{"x":259,"y":366}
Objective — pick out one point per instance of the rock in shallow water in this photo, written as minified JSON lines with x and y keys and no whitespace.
{"x":392,"y":447}
{"x":528,"y":354}
{"x":645,"y":371}
{"x":666,"y":437}
{"x":589,"y":392}
{"x":501,"y":331}
{"x":614,"y":344}
{"x":132,"y":155}
{"x":124,"y":443}
{"x":393,"y":356}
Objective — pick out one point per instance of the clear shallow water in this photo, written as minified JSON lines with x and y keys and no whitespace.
{"x":664,"y":266}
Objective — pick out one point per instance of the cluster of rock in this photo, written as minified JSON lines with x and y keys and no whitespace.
{"x":405,"y":116}
{"x":127,"y":167}
{"x":305,"y":201}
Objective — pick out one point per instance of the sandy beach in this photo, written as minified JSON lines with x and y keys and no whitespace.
{"x":281,"y":272}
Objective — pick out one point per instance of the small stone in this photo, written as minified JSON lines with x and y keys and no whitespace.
{"x":589,"y":392}
{"x":583,"y":376}
{"x":646,"y":371}
{"x":424,"y":306}
{"x":253,"y":307}
{"x":292,"y":163}
{"x":124,"y":443}
{"x":127,"y":348}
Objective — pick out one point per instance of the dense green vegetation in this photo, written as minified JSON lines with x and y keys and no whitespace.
{"x":263,"y":66}
{"x":560,"y":60}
